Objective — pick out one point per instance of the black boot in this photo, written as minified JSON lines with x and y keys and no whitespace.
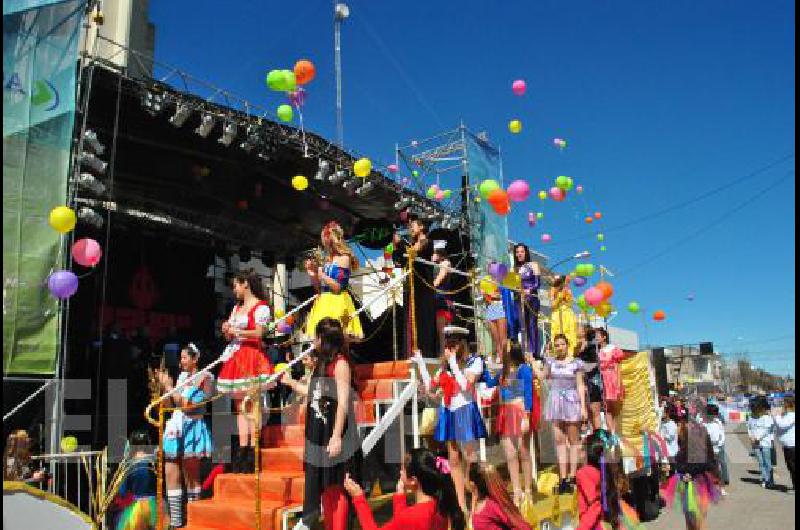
{"x":249,"y":459}
{"x":237,"y":455}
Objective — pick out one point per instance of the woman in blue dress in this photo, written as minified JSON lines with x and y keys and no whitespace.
{"x":186,"y":435}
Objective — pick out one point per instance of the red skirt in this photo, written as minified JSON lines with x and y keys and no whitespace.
{"x":247,"y":367}
{"x":509,"y":419}
{"x":446,"y":314}
{"x":536,"y":409}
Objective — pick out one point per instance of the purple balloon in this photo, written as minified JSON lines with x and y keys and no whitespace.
{"x":498,"y":271}
{"x":297,"y":97}
{"x":283,"y":328}
{"x":579,"y":281}
{"x":62,"y":284}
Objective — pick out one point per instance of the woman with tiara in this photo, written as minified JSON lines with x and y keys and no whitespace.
{"x":331,"y":280}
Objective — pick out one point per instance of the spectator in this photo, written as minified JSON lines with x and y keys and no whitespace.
{"x":784,"y":424}
{"x":716,"y":433}
{"x":669,"y":431}
{"x":762,"y":435}
{"x":17,"y":462}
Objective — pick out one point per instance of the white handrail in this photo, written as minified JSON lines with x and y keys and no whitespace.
{"x":394,"y":410}
{"x":28,"y":399}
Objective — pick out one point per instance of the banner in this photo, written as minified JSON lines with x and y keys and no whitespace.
{"x":40,"y":41}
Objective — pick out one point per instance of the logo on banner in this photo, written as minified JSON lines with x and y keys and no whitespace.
{"x":143,"y":290}
{"x":43,"y":94}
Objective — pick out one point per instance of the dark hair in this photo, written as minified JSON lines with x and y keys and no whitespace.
{"x":139,"y":437}
{"x":560,"y":336}
{"x":252,"y":280}
{"x":559,"y":281}
{"x":514,"y":358}
{"x":422,"y":466}
{"x":414,"y":218}
{"x":712,"y":410}
{"x":332,"y":343}
{"x":601,"y":331}
{"x":490,"y":486}
{"x":527,"y":258}
{"x":595,"y":450}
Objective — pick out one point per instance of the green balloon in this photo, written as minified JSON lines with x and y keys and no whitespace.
{"x":603,"y":248}
{"x":274,"y":79}
{"x":289,"y":81}
{"x":582,"y":303}
{"x":389,"y":248}
{"x":589,"y":269}
{"x":431,"y":193}
{"x":285,"y":113}
{"x":447,"y":194}
{"x":488,"y":186}
{"x":539,"y":215}
{"x":633,"y":307}
{"x":563,"y":183}
{"x":415,"y":173}
{"x":600,"y":237}
{"x":570,"y":183}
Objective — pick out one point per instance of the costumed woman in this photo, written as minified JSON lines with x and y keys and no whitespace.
{"x":424,"y":298}
{"x":246,"y":365}
{"x":459,"y":424}
{"x":562,"y":318}
{"x":444,"y":303}
{"x":513,"y":418}
{"x":186,"y":435}
{"x":565,"y":408}
{"x":609,"y":357}
{"x":530,"y":275}
{"x":586,"y":351}
{"x":135,"y":501}
{"x":497,"y":321}
{"x":333,"y":446}
{"x":331,"y":280}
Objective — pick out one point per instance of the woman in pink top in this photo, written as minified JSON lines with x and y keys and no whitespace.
{"x":492,"y":507}
{"x":609,"y":357}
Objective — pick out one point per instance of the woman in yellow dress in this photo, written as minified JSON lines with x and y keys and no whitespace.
{"x":562,"y":319}
{"x":331,"y":281}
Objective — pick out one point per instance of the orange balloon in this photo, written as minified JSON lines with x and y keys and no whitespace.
{"x":606,"y":289}
{"x":290,"y":320}
{"x":304,"y":71}
{"x":589,"y":220}
{"x":499,"y":201}
{"x":597,"y":215}
{"x":502,"y":208}
{"x":659,"y":315}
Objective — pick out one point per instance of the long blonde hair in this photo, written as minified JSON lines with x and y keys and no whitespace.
{"x":334,"y":233}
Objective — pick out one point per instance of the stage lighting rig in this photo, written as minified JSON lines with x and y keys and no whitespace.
{"x":228,"y":133}
{"x":89,"y":216}
{"x":91,"y":161}
{"x":350,"y":185}
{"x":87,"y":181}
{"x":182,"y":113}
{"x":206,"y":124}
{"x":153,"y":103}
{"x":338,"y":177}
{"x":252,"y":138}
{"x":403,"y":203}
{"x":90,"y":139}
{"x":323,"y":170}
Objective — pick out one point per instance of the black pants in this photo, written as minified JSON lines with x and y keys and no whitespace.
{"x":788,"y":455}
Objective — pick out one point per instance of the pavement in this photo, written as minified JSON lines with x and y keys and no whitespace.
{"x":748,"y":506}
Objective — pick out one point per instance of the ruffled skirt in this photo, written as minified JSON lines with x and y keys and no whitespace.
{"x":338,"y":307}
{"x":563,"y":405}
{"x":193,"y":442}
{"x":510,"y":419}
{"x":248,"y":366}
{"x":464,"y":424}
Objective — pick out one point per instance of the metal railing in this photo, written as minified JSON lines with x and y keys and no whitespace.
{"x":77,"y":477}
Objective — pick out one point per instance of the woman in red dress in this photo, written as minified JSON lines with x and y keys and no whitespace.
{"x":245,"y":364}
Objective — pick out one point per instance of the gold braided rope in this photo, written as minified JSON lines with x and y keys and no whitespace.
{"x":160,"y":469}
{"x":443,"y":291}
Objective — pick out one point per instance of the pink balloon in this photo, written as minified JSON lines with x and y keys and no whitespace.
{"x":579,"y":189}
{"x":518,"y":87}
{"x":593,"y":296}
{"x":392,"y":168}
{"x":546,"y":238}
{"x":439,"y":195}
{"x":405,"y":181}
{"x":87,"y":252}
{"x":557,"y":194}
{"x":518,"y":191}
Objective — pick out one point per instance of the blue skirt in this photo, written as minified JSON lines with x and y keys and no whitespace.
{"x":194,"y":442}
{"x":461,"y":425}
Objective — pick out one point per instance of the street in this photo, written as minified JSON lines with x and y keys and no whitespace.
{"x":748,"y":505}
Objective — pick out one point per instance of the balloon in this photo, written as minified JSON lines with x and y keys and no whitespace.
{"x":290,"y":320}
{"x":431,"y":193}
{"x":570,"y":183}
{"x":546,"y":238}
{"x":518,"y":87}
{"x":512,"y":281}
{"x":439,"y":195}
{"x":285,"y":113}
{"x":304,"y":71}
{"x":659,"y":315}
{"x":582,"y":303}
{"x":279,"y":314}
{"x":579,"y":189}
{"x":563,"y":183}
{"x":280,"y":367}
{"x":283,"y":328}
{"x":415,"y":173}
{"x":299,"y":182}
{"x":606,"y":289}
{"x":515,"y":126}
{"x":690,"y":298}
{"x":531,"y":219}
{"x":392,"y":168}
{"x":87,"y":252}
{"x":498,"y":271}
{"x":447,"y":194}
{"x":499,"y":201}
{"x":69,"y":444}
{"x":62,"y":219}
{"x":557,"y":142}
{"x":589,"y":220}
{"x":557,"y":194}
{"x":488,"y":186}
{"x":594,"y":296}
{"x":297,"y":97}
{"x":487,"y":286}
{"x":579,"y":281}
{"x":604,"y":309}
{"x":543,"y":195}
{"x":274,"y":79}
{"x":62,"y":284}
{"x":282,"y":80}
{"x":584,"y":269}
{"x":362,"y":167}
{"x":502,"y":209}
{"x":519,"y":191}
{"x":633,"y":307}
{"x":597,"y":215}
{"x":603,"y":248}
{"x":540,"y":215}
{"x":600,"y":237}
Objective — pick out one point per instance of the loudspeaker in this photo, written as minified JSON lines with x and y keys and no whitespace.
{"x":660,"y":368}
{"x":706,"y":348}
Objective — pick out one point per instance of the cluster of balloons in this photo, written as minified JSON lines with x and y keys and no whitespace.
{"x":597,"y":297}
{"x":435,"y":192}
{"x":85,"y":252}
{"x":284,"y":327}
{"x":560,"y":143}
{"x":290,"y":81}
{"x":499,"y":273}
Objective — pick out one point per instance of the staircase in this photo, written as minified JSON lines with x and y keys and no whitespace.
{"x":282,"y":479}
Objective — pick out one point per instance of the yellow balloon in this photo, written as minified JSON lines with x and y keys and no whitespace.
{"x":603,"y":309}
{"x":299,"y":183}
{"x":69,"y":444}
{"x":279,"y":313}
{"x":280,"y":367}
{"x":512,"y":281}
{"x":543,"y":195}
{"x":487,"y":285}
{"x":515,"y":126}
{"x":362,"y":167}
{"x":62,"y":219}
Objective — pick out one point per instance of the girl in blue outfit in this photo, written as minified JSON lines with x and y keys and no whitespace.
{"x":460,"y":423}
{"x":186,"y":435}
{"x":513,"y":424}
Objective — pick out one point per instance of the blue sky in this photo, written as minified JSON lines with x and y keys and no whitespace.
{"x":660,"y":102}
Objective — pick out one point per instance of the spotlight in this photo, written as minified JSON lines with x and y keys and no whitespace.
{"x":366,"y":188}
{"x":228,"y":134}
{"x":89,"y":216}
{"x":90,"y":139}
{"x":323,"y":170}
{"x":90,"y":160}
{"x":338,"y":177}
{"x":182,"y":114}
{"x":206,"y":124}
{"x":350,"y":185}
{"x":87,"y":181}
{"x":153,"y":103}
{"x":252,"y":140}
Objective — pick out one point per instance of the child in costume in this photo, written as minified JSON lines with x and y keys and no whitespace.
{"x":331,"y":280}
{"x":600,"y":483}
{"x":562,"y":318}
{"x":513,"y":417}
{"x":136,"y":497}
{"x":459,"y":424}
{"x":609,"y":356}
{"x":492,"y":507}
{"x":186,"y":435}
{"x":435,"y":507}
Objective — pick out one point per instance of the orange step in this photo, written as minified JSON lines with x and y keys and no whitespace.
{"x":232,"y":514}
{"x":283,"y":436}
{"x":286,"y":488}
{"x":279,"y":460}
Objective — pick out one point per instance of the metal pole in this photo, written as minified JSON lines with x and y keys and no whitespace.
{"x":340,"y":13}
